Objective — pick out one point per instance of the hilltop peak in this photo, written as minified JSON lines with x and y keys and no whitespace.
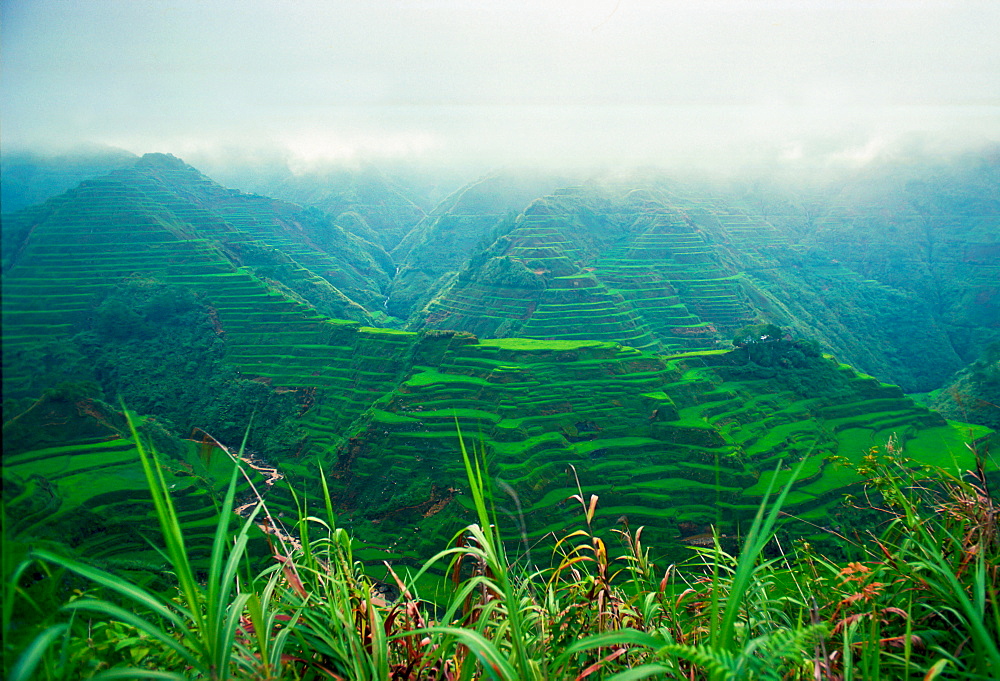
{"x":164,"y":161}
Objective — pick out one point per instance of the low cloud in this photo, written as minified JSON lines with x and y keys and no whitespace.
{"x":706,"y":84}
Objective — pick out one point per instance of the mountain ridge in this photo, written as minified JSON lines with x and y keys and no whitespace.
{"x":156,"y":283}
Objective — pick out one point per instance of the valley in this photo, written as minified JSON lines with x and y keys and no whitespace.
{"x":576,"y":330}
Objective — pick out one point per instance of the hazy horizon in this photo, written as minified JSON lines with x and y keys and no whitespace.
{"x":458,"y":81}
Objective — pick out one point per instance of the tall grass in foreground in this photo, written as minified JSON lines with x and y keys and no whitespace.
{"x":193,"y":630}
{"x":922,"y":605}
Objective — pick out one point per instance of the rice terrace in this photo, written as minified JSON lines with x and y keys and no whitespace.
{"x":322,"y":360}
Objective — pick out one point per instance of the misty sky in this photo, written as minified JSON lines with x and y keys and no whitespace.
{"x":560,"y":80}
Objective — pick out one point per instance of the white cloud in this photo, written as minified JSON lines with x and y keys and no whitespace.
{"x":562,"y":80}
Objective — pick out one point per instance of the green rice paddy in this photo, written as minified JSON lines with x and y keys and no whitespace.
{"x":617,"y":382}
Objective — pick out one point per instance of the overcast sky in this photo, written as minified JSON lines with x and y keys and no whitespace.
{"x":560,"y":80}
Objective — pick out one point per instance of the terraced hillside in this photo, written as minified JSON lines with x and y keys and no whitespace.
{"x":672,"y":268}
{"x":892,"y":267}
{"x":464,"y":222}
{"x":32,"y":178}
{"x":71,"y":476}
{"x":892,"y":271}
{"x":253,"y":261}
{"x":624,"y":294}
{"x":672,"y":443}
{"x":585,"y":263}
{"x":300,"y":252}
{"x":376,"y":205}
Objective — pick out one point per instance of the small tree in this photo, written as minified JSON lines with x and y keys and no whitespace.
{"x":757,"y":333}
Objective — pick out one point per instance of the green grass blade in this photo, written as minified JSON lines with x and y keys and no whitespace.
{"x":222,"y":637}
{"x":474,"y":475}
{"x":935,"y":670}
{"x":24,"y":668}
{"x":12,"y":590}
{"x":987,"y":646}
{"x":489,"y":538}
{"x":218,"y":586}
{"x":221,"y":534}
{"x":140,"y":674}
{"x":979,"y":586}
{"x":256,"y":612}
{"x":643,"y":671}
{"x":327,"y":502}
{"x":134,"y":593}
{"x":113,"y":611}
{"x":759,"y":535}
{"x":227,"y":633}
{"x":169,"y":522}
{"x":278,"y":649}
{"x":622,"y":637}
{"x":494,"y":662}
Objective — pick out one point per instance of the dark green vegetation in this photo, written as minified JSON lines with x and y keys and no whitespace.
{"x":919,"y":601}
{"x":664,"y":345}
{"x":974,"y":393}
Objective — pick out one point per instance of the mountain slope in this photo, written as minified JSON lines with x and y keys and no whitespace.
{"x":155,"y":283}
